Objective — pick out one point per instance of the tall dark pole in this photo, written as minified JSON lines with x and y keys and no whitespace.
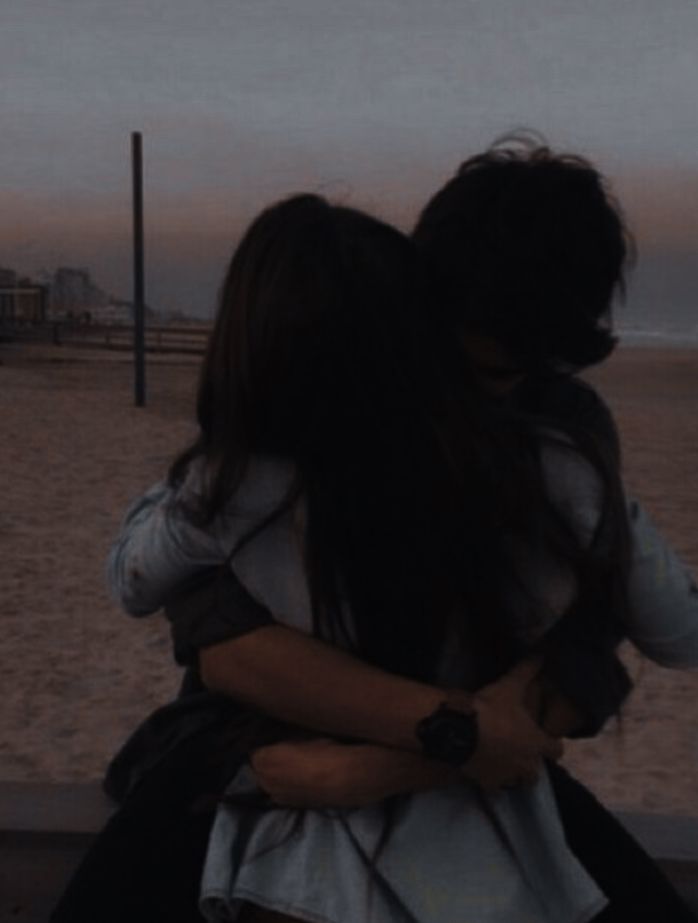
{"x":138,"y":269}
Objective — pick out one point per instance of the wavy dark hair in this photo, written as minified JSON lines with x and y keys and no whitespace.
{"x":528,"y":246}
{"x":324,"y":353}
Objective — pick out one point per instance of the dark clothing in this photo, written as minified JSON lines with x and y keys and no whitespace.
{"x":145,"y":866}
{"x":636,"y":888}
{"x":584,"y":666}
{"x":565,"y":398}
{"x":212,"y":607}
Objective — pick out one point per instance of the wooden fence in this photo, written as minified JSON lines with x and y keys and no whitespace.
{"x":161,"y":339}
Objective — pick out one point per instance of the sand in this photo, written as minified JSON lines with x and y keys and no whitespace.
{"x":78,"y":674}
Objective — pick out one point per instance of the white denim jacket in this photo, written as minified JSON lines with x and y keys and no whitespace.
{"x":452,"y":849}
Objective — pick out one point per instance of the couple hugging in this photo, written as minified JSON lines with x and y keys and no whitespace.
{"x":397,"y":561}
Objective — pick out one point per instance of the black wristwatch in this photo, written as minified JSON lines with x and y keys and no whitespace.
{"x":448,"y":735}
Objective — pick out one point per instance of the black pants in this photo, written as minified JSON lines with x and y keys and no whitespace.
{"x":636,"y":888}
{"x":145,"y":866}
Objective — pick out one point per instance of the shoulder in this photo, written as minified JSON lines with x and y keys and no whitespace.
{"x":561,"y":392}
{"x":573,"y":484}
{"x":575,"y":404}
{"x":265,"y":485}
{"x":268,"y":482}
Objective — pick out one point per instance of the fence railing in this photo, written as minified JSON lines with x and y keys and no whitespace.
{"x":162,"y":338}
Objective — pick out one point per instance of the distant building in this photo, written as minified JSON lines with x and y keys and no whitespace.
{"x":116,"y":312}
{"x":23,"y":302}
{"x":74,"y":296}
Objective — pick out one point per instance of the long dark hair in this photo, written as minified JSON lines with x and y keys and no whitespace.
{"x":324,"y":354}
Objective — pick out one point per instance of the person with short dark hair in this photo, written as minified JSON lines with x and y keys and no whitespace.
{"x":528,"y":248}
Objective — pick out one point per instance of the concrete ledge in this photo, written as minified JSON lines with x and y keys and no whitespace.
{"x":673,"y":843}
{"x":46,"y":829}
{"x":33,"y":807}
{"x":34,"y":872}
{"x":670,"y":838}
{"x":44,"y":832}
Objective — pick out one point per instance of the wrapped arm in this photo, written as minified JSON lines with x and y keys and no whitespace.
{"x":325,"y":773}
{"x":663,"y":612}
{"x":662,"y":616}
{"x":306,"y":682}
{"x":242,"y":652}
{"x":158,"y":549}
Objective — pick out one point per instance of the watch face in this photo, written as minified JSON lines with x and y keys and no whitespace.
{"x":448,"y":735}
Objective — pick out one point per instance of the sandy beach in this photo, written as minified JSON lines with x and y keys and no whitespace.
{"x":78,"y":674}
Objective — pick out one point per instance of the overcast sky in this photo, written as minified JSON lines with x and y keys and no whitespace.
{"x":371,"y":101}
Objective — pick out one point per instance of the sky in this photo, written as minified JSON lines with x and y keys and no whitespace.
{"x":371,"y":102}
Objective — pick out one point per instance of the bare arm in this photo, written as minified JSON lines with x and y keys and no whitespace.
{"x":306,"y":682}
{"x":553,"y":711}
{"x":323,"y":773}
{"x":299,"y":679}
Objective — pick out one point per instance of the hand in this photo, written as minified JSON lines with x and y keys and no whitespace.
{"x":511,"y":746}
{"x":551,"y":710}
{"x":324,"y":773}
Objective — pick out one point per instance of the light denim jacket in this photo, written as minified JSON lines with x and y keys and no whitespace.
{"x":451,"y":849}
{"x":159,"y":547}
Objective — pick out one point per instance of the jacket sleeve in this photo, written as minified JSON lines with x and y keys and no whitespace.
{"x":662,"y":619}
{"x":158,"y":549}
{"x":662,"y":613}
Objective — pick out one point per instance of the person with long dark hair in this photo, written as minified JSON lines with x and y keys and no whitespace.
{"x":417,"y":531}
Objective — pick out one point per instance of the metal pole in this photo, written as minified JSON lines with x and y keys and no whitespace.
{"x":138,"y":269}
